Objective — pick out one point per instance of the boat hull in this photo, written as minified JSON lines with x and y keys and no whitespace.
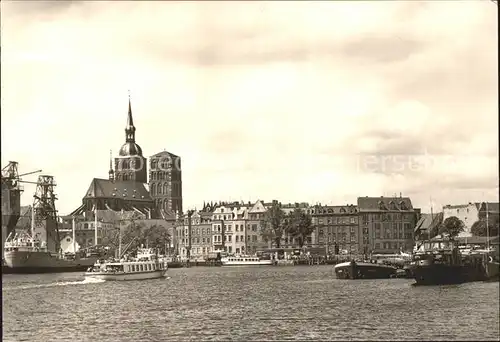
{"x":24,"y":262}
{"x":125,"y":276}
{"x":492,"y":270}
{"x":442,"y":274}
{"x":353,"y":270}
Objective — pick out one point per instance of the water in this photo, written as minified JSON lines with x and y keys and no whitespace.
{"x":263,"y":303}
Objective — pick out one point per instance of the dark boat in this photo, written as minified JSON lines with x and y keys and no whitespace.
{"x":364,"y":270}
{"x":439,"y":262}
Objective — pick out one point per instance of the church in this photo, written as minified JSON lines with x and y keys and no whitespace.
{"x":127,"y":187}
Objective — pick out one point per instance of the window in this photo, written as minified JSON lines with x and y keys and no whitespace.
{"x":236,"y":238}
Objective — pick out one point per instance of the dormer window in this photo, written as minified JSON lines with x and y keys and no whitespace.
{"x":381,"y":205}
{"x":342,"y":210}
{"x":402,"y":205}
{"x":392,"y":205}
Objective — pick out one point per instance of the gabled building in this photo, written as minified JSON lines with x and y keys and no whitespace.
{"x":337,"y":226}
{"x":387,"y":224}
{"x":426,"y":225}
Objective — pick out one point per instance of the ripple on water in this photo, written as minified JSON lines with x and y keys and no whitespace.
{"x":246,"y":304}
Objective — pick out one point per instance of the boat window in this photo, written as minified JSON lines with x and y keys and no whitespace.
{"x":141,"y":268}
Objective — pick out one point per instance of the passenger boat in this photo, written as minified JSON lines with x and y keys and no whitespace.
{"x":439,"y":261}
{"x":364,"y":270}
{"x":146,"y":265}
{"x":245,"y":260}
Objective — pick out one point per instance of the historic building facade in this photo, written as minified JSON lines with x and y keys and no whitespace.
{"x":336,"y":228}
{"x":165,"y":182}
{"x":386,"y":224}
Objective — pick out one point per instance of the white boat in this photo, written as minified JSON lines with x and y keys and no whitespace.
{"x":245,"y":260}
{"x":145,"y":266}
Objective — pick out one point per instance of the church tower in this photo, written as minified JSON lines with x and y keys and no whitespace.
{"x":130,"y":165}
{"x":111,"y":172}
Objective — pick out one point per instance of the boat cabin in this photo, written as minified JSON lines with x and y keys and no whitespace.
{"x":129,"y":267}
{"x":243,"y":259}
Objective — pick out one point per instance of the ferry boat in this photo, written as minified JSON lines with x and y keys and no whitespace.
{"x":245,"y":260}
{"x":364,"y":270}
{"x":439,"y":261}
{"x":146,"y":265}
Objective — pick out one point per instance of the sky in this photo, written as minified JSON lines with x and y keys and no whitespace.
{"x":320,"y":102}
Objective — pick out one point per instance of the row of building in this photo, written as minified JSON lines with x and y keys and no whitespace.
{"x":372,"y":225}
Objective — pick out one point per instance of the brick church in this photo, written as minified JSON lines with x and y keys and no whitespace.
{"x":127,"y":186}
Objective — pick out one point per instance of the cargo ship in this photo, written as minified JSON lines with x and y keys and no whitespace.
{"x":39,"y":251}
{"x":440,"y":262}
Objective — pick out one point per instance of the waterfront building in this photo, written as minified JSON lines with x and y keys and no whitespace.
{"x":337,"y":228}
{"x":470,"y":213}
{"x":229,"y":227}
{"x":386,"y":224}
{"x":426,"y":225}
{"x":254,"y":239}
{"x":196,"y":239}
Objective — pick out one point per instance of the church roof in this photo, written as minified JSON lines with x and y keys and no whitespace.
{"x":130,"y":149}
{"x":128,"y":190}
{"x":164,"y":153}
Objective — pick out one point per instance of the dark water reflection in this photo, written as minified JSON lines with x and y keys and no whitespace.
{"x":267,"y":303}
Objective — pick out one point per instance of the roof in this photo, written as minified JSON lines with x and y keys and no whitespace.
{"x":164,"y":153}
{"x":428,"y":221}
{"x":374,"y":204}
{"x":105,"y":188}
{"x":335,"y":209}
{"x":492,"y":207}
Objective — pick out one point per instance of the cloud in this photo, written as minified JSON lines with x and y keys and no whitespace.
{"x":260,"y":99}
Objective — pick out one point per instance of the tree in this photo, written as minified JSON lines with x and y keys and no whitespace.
{"x":157,"y":236}
{"x":479,"y":227}
{"x":273,"y":224}
{"x":452,"y":226}
{"x":299,"y":225}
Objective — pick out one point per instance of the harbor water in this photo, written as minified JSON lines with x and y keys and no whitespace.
{"x":245,"y":303}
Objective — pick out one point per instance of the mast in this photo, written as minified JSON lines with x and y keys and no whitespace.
{"x":120,"y":235}
{"x":95,"y":225}
{"x":73,"y":224}
{"x":33,"y":225}
{"x":487,"y":228}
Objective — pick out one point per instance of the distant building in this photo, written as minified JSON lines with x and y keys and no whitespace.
{"x":198,"y":238}
{"x":386,"y":224}
{"x":337,"y":226}
{"x":470,"y":213}
{"x":426,"y":224}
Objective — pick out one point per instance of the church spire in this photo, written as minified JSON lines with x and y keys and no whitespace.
{"x":111,"y":172}
{"x":130,"y":129}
